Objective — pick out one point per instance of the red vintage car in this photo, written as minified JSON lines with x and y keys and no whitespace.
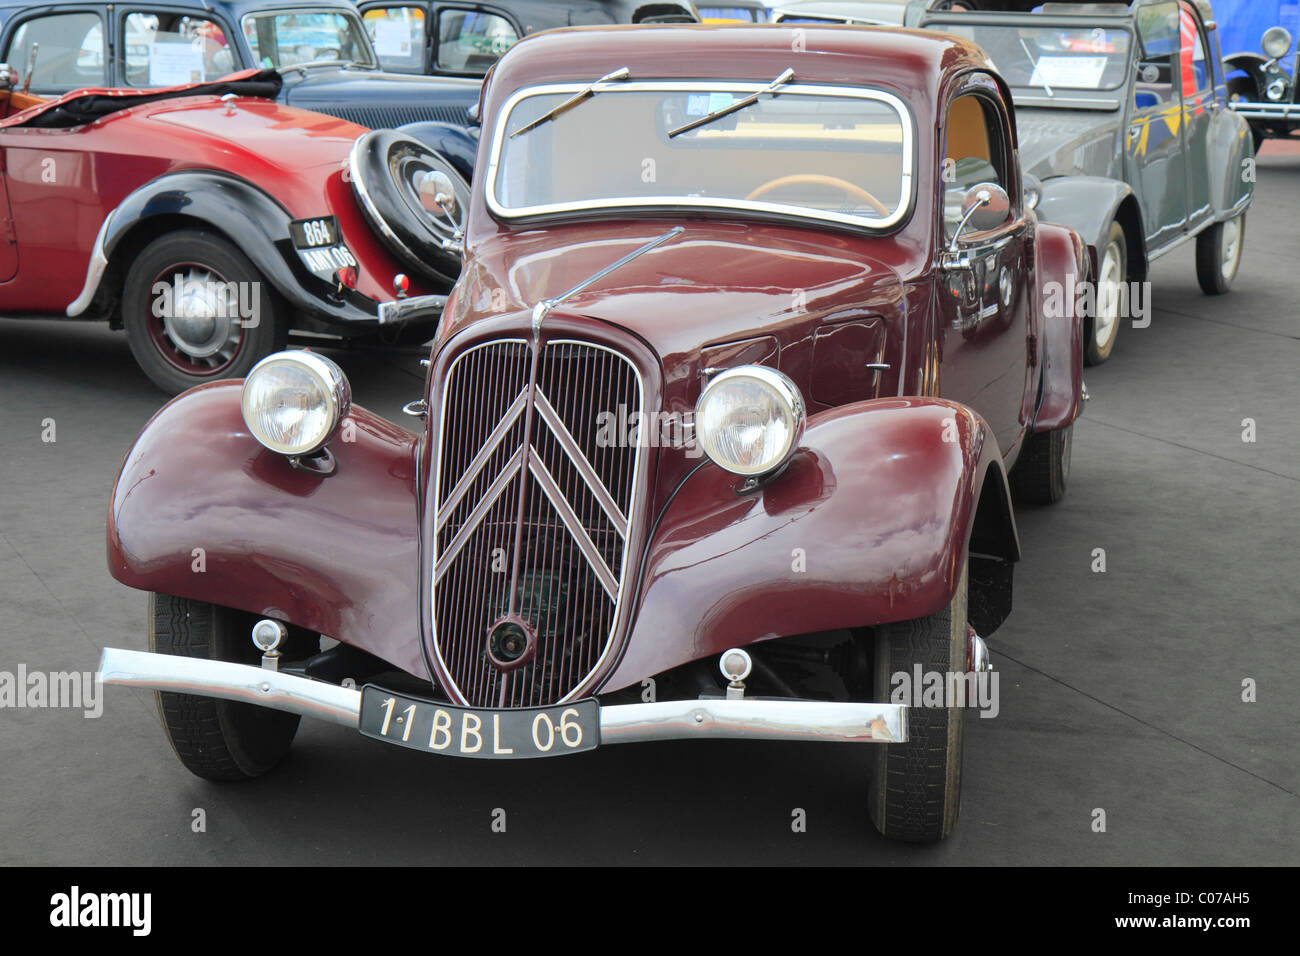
{"x":210,"y":221}
{"x":720,"y":418}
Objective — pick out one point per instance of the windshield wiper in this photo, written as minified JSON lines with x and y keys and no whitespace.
{"x":749,"y":100}
{"x":1034,"y":64}
{"x":622,"y":73}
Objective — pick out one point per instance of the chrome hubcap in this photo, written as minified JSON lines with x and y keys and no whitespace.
{"x":203,"y":322}
{"x":1107,"y":307}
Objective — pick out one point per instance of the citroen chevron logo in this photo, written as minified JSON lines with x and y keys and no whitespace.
{"x":525,"y":457}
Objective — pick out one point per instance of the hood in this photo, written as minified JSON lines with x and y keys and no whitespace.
{"x":259,"y":130}
{"x":714,"y":283}
{"x":381,"y":100}
{"x":1064,"y":142}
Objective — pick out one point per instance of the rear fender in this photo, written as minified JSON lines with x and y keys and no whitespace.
{"x":201,"y":510}
{"x":249,"y":216}
{"x":870,"y":523}
{"x":1062,"y":264}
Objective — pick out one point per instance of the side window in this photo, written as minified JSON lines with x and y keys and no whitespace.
{"x":470,"y":41}
{"x":973,"y":154}
{"x":1195,"y":68}
{"x":169,"y":49}
{"x":1159,"y":41}
{"x":398,"y":35}
{"x":70,"y":51}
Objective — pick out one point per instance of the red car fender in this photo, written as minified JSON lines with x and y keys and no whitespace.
{"x":1061,"y":264}
{"x":201,"y":510}
{"x":869,"y":523}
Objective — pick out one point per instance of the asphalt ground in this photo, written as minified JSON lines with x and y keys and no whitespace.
{"x":1121,"y":690}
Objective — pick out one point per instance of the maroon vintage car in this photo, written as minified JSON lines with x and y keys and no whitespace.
{"x":209,"y":221}
{"x":718,"y":427}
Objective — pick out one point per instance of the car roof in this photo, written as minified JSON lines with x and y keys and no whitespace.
{"x":908,"y":61}
{"x":231,"y":8}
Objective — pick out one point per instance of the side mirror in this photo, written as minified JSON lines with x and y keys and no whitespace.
{"x":985,"y":206}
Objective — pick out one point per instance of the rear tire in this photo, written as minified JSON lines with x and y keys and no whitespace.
{"x":1218,"y":255}
{"x":198,"y":340}
{"x":915,"y":786}
{"x":1042,"y":471}
{"x":217,"y":739}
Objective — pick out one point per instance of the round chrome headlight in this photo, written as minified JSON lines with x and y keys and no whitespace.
{"x":749,"y":419}
{"x":1276,"y":41}
{"x":293,"y":401}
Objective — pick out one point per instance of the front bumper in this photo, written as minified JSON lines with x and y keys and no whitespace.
{"x":753,"y":718}
{"x":1267,"y":111}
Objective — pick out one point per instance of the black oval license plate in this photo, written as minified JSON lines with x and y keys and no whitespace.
{"x":479,"y":732}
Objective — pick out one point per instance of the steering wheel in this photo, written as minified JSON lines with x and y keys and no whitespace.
{"x":857,"y":192}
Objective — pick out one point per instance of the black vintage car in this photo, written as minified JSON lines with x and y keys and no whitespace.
{"x":320,"y":48}
{"x":465,"y":39}
{"x":1262,"y":89}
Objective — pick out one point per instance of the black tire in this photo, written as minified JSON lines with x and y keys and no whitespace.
{"x":1095,"y":352}
{"x":915,"y":786}
{"x":218,"y":739}
{"x":1042,"y":471}
{"x":1216,"y":264}
{"x":240,"y":342}
{"x":386,"y":168}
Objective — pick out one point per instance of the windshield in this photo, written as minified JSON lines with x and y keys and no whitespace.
{"x":306,"y":36}
{"x":825,"y":153}
{"x":1049,"y":57}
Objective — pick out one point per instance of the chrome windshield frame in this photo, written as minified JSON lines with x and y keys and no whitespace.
{"x":660,"y":204}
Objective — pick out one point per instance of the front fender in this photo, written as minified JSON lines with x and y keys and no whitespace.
{"x":870,"y":523}
{"x":1088,"y":205}
{"x":1061,"y":262}
{"x":252,"y":218}
{"x":201,"y":510}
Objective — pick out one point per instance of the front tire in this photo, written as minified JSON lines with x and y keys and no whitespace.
{"x":915,"y":786}
{"x":197,"y":310}
{"x":1218,"y":255}
{"x":217,"y":739}
{"x":1042,"y":471}
{"x":1102,"y":327}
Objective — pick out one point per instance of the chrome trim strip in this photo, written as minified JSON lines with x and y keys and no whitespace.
{"x":569,"y":445}
{"x":753,"y":719}
{"x":242,"y":682}
{"x":676,"y":202}
{"x":537,"y":468}
{"x":490,"y":495}
{"x":94,"y":272}
{"x":476,"y":464}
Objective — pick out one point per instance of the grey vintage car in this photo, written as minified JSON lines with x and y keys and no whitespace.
{"x":1122,"y":117}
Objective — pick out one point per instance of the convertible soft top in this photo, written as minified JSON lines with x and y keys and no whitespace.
{"x":85,"y":106}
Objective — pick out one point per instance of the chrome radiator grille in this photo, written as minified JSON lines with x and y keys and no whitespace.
{"x":532,"y":512}
{"x":385,"y":117}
